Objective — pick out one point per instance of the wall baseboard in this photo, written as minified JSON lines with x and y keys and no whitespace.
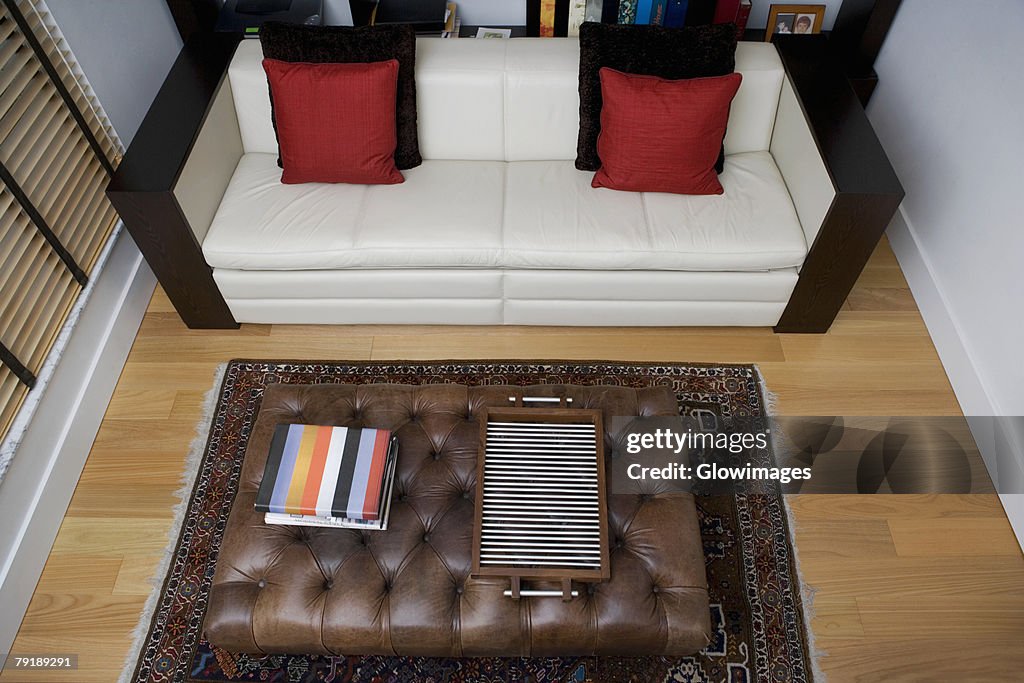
{"x":968,"y":384}
{"x":37,"y":489}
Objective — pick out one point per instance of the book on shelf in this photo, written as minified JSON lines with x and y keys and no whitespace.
{"x":742,"y":16}
{"x":658,"y":8}
{"x":627,"y":11}
{"x":328,"y":472}
{"x":675,"y":13}
{"x":609,"y":11}
{"x":450,"y":30}
{"x":577,"y":15}
{"x":726,"y":11}
{"x":643,"y":12}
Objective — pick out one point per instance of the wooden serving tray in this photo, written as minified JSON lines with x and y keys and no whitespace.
{"x":541,"y":508}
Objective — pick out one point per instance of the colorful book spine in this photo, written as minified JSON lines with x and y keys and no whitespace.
{"x":547,"y":18}
{"x":675,"y":13}
{"x":380,"y":524}
{"x":658,"y":12}
{"x":325,"y":471}
{"x":643,"y":12}
{"x":627,"y":11}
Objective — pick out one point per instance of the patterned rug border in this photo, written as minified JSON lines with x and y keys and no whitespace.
{"x":203,"y":433}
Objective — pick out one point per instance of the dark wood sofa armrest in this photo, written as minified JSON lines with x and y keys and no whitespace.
{"x":868,"y":193}
{"x":172,"y":178}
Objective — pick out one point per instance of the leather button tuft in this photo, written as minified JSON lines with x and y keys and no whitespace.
{"x":402,"y":498}
{"x":655,"y":590}
{"x":465,"y":495}
{"x":436,"y":455}
{"x":426,"y":538}
{"x":328,"y":584}
{"x":459,"y":590}
{"x":262,"y":583}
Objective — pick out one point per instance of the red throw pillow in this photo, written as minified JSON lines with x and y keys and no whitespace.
{"x":336,"y":122}
{"x":659,"y":135}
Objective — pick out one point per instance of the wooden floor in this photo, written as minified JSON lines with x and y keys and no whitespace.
{"x":916,"y":588}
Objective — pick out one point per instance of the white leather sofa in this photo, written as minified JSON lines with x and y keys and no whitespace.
{"x":497,"y":225}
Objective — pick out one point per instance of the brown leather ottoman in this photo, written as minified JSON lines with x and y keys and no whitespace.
{"x":407,"y":590}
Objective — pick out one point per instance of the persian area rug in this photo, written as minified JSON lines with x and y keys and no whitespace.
{"x":760,"y":632}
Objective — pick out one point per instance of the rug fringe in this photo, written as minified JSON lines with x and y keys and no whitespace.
{"x":185,"y":485}
{"x":807,"y":592}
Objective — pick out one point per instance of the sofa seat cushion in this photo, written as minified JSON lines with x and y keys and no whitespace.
{"x":446,"y":213}
{"x":555,"y":219}
{"x":517,"y":215}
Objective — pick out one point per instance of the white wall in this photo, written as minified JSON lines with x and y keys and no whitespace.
{"x":948,"y":111}
{"x":125,"y":47}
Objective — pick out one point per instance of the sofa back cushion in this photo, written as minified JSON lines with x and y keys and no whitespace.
{"x":510,"y":100}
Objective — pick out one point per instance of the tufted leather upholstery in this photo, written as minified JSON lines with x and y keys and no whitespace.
{"x":408,"y":590}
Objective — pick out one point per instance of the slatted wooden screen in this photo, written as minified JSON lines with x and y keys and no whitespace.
{"x":57,"y":153}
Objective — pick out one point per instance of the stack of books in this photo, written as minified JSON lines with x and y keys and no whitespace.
{"x":328,"y":477}
{"x":564,"y":17}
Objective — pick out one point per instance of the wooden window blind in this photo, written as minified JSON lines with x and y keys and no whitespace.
{"x":57,"y":153}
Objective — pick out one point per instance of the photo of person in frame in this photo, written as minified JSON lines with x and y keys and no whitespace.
{"x":784,"y":23}
{"x":804,"y":23}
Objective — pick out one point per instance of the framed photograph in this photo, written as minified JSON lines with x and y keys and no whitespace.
{"x":500,"y":33}
{"x":794,"y":19}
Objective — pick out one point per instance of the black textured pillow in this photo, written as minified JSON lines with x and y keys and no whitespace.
{"x":326,"y":44}
{"x":672,"y":53}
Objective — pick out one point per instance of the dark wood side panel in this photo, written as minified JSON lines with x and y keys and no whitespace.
{"x":868,"y":192}
{"x":162,"y":234}
{"x":142,"y":188}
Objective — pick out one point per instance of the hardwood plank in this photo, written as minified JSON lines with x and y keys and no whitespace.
{"x":871,"y":323}
{"x":859,"y":349}
{"x":135,"y":575}
{"x":141,"y":404}
{"x":884,"y":579}
{"x":836,"y":617}
{"x":978,"y":537}
{"x":932,"y":506}
{"x":108,"y":536}
{"x":836,"y":540}
{"x":84,"y":573}
{"x":654,"y":345}
{"x":913,"y":658}
{"x":946,"y":616}
{"x":882,"y":298}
